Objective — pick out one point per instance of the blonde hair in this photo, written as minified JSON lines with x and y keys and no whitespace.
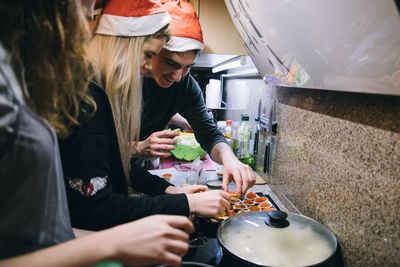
{"x":117,"y":69}
{"x":117,"y":63}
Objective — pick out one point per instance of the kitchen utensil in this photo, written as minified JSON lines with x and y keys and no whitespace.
{"x":192,"y":171}
{"x":276,"y":238}
{"x":214,"y":184}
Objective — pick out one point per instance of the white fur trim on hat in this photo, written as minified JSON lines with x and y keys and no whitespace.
{"x":132,"y":26}
{"x":183,"y":44}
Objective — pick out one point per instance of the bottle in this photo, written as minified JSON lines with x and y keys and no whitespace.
{"x":243,"y":137}
{"x":228,"y":130}
{"x":235,"y":142}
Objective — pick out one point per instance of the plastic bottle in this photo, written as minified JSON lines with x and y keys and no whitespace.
{"x":243,"y":138}
{"x":235,"y":142}
{"x":228,"y":130}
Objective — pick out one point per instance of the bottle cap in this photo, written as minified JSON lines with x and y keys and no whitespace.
{"x":245,"y":117}
{"x":228,"y":122}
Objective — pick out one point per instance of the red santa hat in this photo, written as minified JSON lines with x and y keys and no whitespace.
{"x":132,"y":17}
{"x":185,"y":27}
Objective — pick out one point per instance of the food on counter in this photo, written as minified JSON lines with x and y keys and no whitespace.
{"x":167,"y":176}
{"x":234,"y":200}
{"x":187,"y":148}
{"x":261,"y":199}
{"x":267,"y":208}
{"x":249,"y":160}
{"x":233,"y":194}
{"x":219,"y":219}
{"x":265,"y":205}
{"x":250,"y":203}
{"x":230,"y":213}
{"x":251,"y":195}
{"x":254,"y":208}
{"x":239,"y":207}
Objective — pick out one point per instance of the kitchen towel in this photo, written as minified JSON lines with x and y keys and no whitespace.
{"x":213,"y":94}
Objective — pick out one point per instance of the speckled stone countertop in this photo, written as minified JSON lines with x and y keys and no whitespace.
{"x":337,"y":160}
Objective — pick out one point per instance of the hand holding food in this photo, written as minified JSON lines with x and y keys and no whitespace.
{"x":187,"y":148}
{"x":152,"y":240}
{"x":242,"y":175}
{"x":251,"y":202}
{"x":158,"y":144}
{"x":209,"y":204}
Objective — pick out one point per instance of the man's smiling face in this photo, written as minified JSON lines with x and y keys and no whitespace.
{"x":169,"y":67}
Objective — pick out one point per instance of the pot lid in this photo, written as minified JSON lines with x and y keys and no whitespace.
{"x":276,"y":238}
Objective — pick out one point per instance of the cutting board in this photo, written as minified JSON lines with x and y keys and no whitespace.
{"x":259,"y":179}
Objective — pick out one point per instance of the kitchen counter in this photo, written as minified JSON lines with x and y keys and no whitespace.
{"x":178,"y":179}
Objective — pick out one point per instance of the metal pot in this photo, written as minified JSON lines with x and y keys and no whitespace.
{"x":276,"y":238}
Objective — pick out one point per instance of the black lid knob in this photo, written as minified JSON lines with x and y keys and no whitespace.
{"x":277,"y":219}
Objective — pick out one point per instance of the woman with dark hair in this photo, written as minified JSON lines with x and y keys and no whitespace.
{"x":42,"y":61}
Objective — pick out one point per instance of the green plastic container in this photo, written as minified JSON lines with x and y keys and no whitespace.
{"x":108,"y":264}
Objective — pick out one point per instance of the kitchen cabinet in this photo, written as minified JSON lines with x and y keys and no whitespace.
{"x":320,"y":44}
{"x":219,"y":33}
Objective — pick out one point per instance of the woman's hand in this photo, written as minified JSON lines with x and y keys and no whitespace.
{"x":209,"y":204}
{"x":153,"y":240}
{"x":158,"y":144}
{"x":189,"y":189}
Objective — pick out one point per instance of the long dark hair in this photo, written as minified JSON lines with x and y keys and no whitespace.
{"x":46,"y":39}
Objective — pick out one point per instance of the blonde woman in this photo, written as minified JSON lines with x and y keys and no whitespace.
{"x":96,"y":155}
{"x":41,"y":58}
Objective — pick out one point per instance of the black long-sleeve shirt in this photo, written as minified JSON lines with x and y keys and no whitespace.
{"x":184,"y":97}
{"x":94,"y":176}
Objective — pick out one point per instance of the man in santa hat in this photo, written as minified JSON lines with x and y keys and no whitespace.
{"x":171,"y":90}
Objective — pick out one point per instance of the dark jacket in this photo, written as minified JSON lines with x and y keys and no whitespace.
{"x":184,"y":97}
{"x":96,"y":184}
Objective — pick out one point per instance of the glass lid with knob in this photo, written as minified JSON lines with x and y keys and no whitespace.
{"x":277,"y":239}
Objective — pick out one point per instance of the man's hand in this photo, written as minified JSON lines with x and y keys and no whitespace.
{"x":190,"y":189}
{"x":242,"y":174}
{"x":158,"y":144}
{"x":180,"y":121}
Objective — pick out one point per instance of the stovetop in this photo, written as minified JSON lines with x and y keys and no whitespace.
{"x":206,"y":249}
